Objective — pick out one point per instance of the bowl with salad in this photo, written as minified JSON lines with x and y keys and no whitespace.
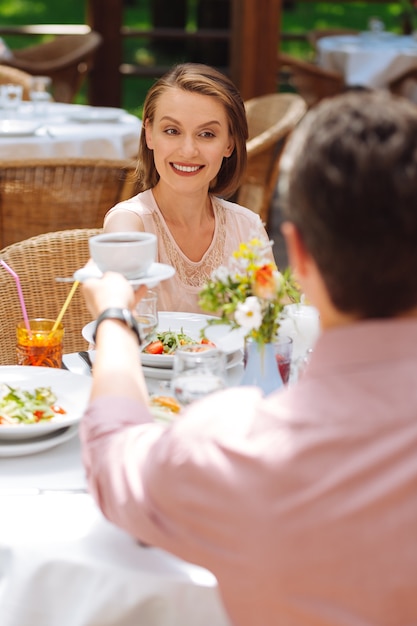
{"x":35,"y":401}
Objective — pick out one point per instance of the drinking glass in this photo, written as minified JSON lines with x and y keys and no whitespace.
{"x":11,"y":98}
{"x":283,"y":356}
{"x":375,"y":25}
{"x":198,"y":371}
{"x":39,"y":345}
{"x":146,"y":314}
{"x":40,"y":95}
{"x":301,"y":322}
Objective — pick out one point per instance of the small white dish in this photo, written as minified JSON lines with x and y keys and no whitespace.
{"x":87,"y":114}
{"x":225,"y":338}
{"x":18,"y":128}
{"x":72,"y":392}
{"x":37,"y":444}
{"x":156,"y":273}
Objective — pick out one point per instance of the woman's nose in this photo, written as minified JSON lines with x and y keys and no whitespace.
{"x":189,"y":146}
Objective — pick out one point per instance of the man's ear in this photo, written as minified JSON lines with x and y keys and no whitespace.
{"x":297,"y":253}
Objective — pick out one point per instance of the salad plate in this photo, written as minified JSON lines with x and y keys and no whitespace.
{"x":189,"y":323}
{"x":37,"y":444}
{"x":156,"y":273}
{"x":72,"y":392}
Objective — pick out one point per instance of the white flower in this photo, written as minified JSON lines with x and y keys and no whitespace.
{"x":220,"y":274}
{"x":248,"y":314}
{"x":279,"y":280}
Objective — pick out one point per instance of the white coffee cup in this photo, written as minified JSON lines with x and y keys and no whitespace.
{"x":129,"y":253}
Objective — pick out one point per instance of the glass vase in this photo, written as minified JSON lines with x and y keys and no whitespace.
{"x":261,"y":367}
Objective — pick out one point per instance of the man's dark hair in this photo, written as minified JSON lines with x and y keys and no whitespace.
{"x":349,"y":184}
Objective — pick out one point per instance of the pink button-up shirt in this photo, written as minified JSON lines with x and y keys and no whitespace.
{"x":303,"y":504}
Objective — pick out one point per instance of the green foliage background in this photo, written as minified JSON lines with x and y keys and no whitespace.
{"x":298,"y":17}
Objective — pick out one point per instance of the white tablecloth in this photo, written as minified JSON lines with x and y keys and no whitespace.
{"x":60,"y":136}
{"x":368,"y":60}
{"x":62,"y":563}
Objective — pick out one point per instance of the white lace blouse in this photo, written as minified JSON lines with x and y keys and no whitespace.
{"x":233,"y":224}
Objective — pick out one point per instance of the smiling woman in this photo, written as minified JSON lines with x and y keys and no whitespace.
{"x":192,"y":155}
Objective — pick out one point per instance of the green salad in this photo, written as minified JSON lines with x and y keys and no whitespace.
{"x":167,"y":341}
{"x":19,"y":406}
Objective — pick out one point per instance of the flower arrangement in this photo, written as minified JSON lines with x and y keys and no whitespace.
{"x":250,"y":293}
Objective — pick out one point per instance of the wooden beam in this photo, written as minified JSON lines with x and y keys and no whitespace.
{"x":105,"y":80}
{"x":254,"y":46}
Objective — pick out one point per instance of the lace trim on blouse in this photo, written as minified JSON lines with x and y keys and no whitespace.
{"x":189,"y":272}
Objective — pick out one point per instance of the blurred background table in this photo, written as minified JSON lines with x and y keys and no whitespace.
{"x":69,"y":130}
{"x":368,"y":59}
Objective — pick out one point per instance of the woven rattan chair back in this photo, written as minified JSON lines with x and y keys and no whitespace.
{"x":67,"y":59}
{"x":38,"y":261}
{"x":310,"y":81}
{"x":405,"y":85}
{"x":271,"y":118}
{"x":16,"y":77}
{"x":44,"y":195}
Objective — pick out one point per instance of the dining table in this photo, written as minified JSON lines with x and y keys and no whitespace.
{"x":62,"y":562}
{"x":368,"y":59}
{"x":68,"y":130}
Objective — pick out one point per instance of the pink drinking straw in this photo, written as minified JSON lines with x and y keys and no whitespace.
{"x":19,"y":291}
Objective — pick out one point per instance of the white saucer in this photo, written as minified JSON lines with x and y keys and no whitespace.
{"x":37,"y":444}
{"x":18,"y":128}
{"x":157,"y":273}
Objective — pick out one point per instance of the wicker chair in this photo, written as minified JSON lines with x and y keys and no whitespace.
{"x":17,"y":77}
{"x":67,"y":59}
{"x":405,"y":85}
{"x":38,"y":261}
{"x":310,"y":81}
{"x":44,"y":195}
{"x":271,"y":118}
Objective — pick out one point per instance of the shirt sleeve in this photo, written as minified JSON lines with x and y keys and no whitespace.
{"x":167,"y":485}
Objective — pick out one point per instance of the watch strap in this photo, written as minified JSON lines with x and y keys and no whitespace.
{"x":122,"y":315}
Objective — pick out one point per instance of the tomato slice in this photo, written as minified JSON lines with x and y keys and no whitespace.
{"x":155,"y":347}
{"x":207,"y":342}
{"x":58,"y":409}
{"x":38,"y":415}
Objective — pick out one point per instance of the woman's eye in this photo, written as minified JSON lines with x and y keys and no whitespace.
{"x":171,"y":131}
{"x":207,"y":133}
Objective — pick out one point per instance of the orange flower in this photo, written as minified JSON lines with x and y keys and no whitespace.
{"x":266,"y":282}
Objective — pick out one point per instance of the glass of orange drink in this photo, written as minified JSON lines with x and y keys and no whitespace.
{"x":39,"y":345}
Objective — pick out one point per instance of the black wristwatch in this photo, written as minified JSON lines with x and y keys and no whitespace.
{"x":123,"y":315}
